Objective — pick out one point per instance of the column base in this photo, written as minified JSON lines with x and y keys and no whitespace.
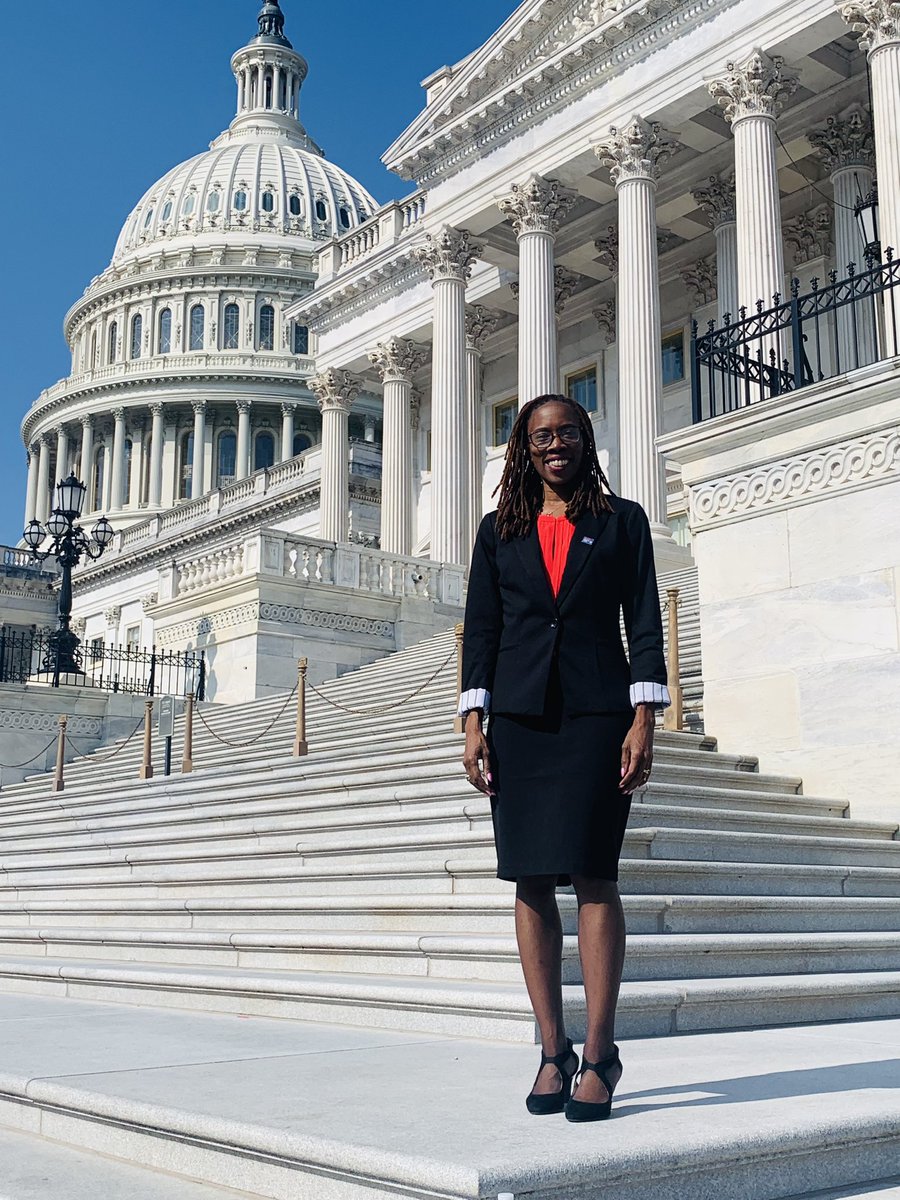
{"x":667,"y":554}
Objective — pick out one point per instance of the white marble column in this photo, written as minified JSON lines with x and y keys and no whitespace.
{"x":31,"y":491}
{"x":480,"y":323}
{"x":633,"y":155}
{"x":157,"y":441}
{"x":242,"y":454}
{"x":117,"y":492}
{"x":42,"y":503}
{"x":62,"y":453}
{"x":535,"y":209}
{"x":287,"y":431}
{"x":86,"y":466}
{"x":448,"y":256}
{"x":197,"y":489}
{"x":846,"y":145}
{"x":717,"y":200}
{"x":752,"y":94}
{"x":335,"y":391}
{"x":397,"y":362}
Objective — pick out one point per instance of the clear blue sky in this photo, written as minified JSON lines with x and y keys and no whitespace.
{"x":102,"y":97}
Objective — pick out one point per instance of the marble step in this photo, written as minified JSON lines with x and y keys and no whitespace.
{"x":458,"y":956}
{"x":465,"y":1008}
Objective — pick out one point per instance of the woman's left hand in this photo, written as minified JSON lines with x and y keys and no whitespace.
{"x":637,"y":750}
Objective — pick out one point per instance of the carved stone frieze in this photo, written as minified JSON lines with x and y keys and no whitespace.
{"x":449,"y":254}
{"x":537,"y":206}
{"x":398,"y":359}
{"x":757,"y":87}
{"x":636,"y":151}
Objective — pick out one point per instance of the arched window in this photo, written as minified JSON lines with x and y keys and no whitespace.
{"x":198,"y":326}
{"x":212,"y":202}
{"x":148,"y":218}
{"x":187,"y":206}
{"x":263,"y":451}
{"x":345,"y":218}
{"x":268,"y":202}
{"x":240,"y":200}
{"x":126,"y":479}
{"x":302,"y":441}
{"x":165,"y":331}
{"x":267,"y":327}
{"x":227,"y":458}
{"x":111,"y":341}
{"x":167,"y":210}
{"x":186,"y":465}
{"x":231,"y":333}
{"x":99,"y":476}
{"x":137,"y":333}
{"x":294,"y":205}
{"x":301,"y":339}
{"x":93,"y":362}
{"x":321,"y":210}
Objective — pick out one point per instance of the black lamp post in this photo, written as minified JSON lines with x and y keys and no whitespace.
{"x":866,"y":212}
{"x":68,"y":542}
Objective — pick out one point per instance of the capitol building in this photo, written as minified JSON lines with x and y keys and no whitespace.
{"x":293,"y":403}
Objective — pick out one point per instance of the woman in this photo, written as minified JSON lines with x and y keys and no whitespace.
{"x":571,"y":729}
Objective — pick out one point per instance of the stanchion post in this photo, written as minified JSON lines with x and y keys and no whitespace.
{"x":147,"y":759}
{"x":673,"y":718}
{"x":58,"y":780}
{"x":187,"y":759}
{"x":458,"y":722}
{"x":301,"y":746}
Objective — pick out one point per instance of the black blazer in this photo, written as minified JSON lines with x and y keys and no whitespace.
{"x":514,"y":625}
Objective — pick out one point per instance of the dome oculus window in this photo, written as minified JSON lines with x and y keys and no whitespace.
{"x":232,"y":327}
{"x":321,"y":210}
{"x":165,"y":331}
{"x":294,"y":204}
{"x":198,"y":327}
{"x":137,"y":333}
{"x":268,"y":202}
{"x":267,"y":327}
{"x":240,"y":201}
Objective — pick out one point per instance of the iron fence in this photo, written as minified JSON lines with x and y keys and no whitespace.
{"x":803,"y":339}
{"x":32,"y":656}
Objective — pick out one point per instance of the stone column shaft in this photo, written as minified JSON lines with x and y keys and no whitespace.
{"x":87,"y":462}
{"x":856,"y":329}
{"x":479,"y":324}
{"x":157,"y":443}
{"x":62,"y":454}
{"x":42,"y":504}
{"x":197,"y":489}
{"x":287,"y":432}
{"x":242,"y":453}
{"x":727,"y":270}
{"x":397,"y":362}
{"x":31,"y":491}
{"x":117,"y":493}
{"x":335,"y":390}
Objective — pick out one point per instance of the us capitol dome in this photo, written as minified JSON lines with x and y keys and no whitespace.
{"x":186,"y":375}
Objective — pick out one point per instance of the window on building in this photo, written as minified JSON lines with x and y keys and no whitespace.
{"x":504,"y":416}
{"x":232,"y":332}
{"x":198,"y":327}
{"x":133,"y":637}
{"x":126,"y":480}
{"x":302,"y":442}
{"x":294,"y":205}
{"x":268,"y":202}
{"x":185,"y":465}
{"x":427,"y":466}
{"x":267,"y":327}
{"x":212,"y":202}
{"x":99,"y":477}
{"x":301,"y":339}
{"x":240,"y":200}
{"x":96,"y":649}
{"x":111,"y":340}
{"x":582,"y":387}
{"x":93,"y":361}
{"x":321,"y":210}
{"x":345,"y":217}
{"x":167,"y":210}
{"x":148,"y":218}
{"x":165,"y":331}
{"x":137,"y":333}
{"x":673,"y":357}
{"x":263,"y":451}
{"x":187,"y":206}
{"x":227,"y":458}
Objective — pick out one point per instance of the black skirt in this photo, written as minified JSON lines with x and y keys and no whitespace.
{"x":557,"y":808}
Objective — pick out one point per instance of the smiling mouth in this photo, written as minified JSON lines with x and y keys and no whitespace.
{"x":557,"y":464}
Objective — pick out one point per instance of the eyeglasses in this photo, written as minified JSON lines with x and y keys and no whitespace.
{"x":542,"y":439}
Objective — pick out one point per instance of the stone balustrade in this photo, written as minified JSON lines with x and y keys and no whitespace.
{"x":209,"y":570}
{"x":382,"y":230}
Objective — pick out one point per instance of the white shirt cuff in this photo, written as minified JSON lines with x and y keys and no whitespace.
{"x":474,"y":698}
{"x":656,"y":694}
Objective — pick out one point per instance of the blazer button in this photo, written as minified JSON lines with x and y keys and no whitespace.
{"x":553,"y":624}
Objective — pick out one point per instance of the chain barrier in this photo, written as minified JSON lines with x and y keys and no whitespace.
{"x":375,"y":712}
{"x":40,"y":754}
{"x":242,"y":745}
{"x":107,"y":757}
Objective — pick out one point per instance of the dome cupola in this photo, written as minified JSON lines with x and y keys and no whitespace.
{"x":271,"y":24}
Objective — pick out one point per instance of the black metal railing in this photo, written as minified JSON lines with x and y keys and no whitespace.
{"x":806,"y":338}
{"x":30,"y":656}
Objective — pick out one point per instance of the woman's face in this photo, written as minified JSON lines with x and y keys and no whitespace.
{"x":556,"y":457}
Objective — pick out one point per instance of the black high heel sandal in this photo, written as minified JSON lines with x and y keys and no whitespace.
{"x":583,"y":1110}
{"x":554,"y":1102}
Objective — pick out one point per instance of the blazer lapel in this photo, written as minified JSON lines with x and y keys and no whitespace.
{"x":587,"y":530}
{"x":529,"y":550}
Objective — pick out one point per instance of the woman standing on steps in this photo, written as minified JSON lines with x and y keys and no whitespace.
{"x":570,"y":734}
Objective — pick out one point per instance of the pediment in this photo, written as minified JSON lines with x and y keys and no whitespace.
{"x":536,"y":46}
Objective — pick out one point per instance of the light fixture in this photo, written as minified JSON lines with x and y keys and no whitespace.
{"x":71,"y":493}
{"x":57,"y":523}
{"x":34,"y":534}
{"x":103,"y":533}
{"x":866,"y":213}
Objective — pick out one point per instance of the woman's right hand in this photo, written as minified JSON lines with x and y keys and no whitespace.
{"x":476,"y":758}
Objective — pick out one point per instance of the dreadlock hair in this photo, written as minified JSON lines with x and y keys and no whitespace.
{"x":522,"y":489}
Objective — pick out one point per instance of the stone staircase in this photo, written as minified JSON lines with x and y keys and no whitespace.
{"x":357,"y":886}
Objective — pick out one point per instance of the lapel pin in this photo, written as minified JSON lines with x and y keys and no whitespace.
{"x":586,"y":541}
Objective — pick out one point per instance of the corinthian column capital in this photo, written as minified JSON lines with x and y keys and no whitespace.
{"x":847,"y":140}
{"x":537,"y":205}
{"x":480,"y":324}
{"x":607,"y":246}
{"x":877,"y":20}
{"x":335,"y":390}
{"x":564,"y":285}
{"x":757,"y":87}
{"x":449,"y":254}
{"x":637,"y":151}
{"x":717,"y":199}
{"x":398,"y":359}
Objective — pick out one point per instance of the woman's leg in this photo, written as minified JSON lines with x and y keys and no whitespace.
{"x":601,"y":947}
{"x":539,"y":935}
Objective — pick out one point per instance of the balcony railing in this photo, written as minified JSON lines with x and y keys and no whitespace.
{"x":808,"y":337}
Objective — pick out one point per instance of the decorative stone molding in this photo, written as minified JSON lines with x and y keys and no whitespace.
{"x":790,"y":481}
{"x":149,"y":601}
{"x":198,"y":627}
{"x":112,"y":616}
{"x":717,"y":199}
{"x":199,"y":407}
{"x":877,"y":20}
{"x":398,"y":359}
{"x":605,"y":316}
{"x":480,"y":324}
{"x":156,"y":407}
{"x":243,"y":406}
{"x":78,"y":626}
{"x":607,"y":246}
{"x":335,"y":389}
{"x":288,"y":408}
{"x":287,"y":614}
{"x":537,"y":206}
{"x":847,"y":140}
{"x":809,"y":235}
{"x":700,"y":279}
{"x":564,"y":285}
{"x":87,"y":421}
{"x":39,"y":722}
{"x":449,"y":254}
{"x":757,"y":87}
{"x":637,"y":151}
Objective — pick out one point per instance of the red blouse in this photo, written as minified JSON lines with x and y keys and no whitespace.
{"x":555,"y":537}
